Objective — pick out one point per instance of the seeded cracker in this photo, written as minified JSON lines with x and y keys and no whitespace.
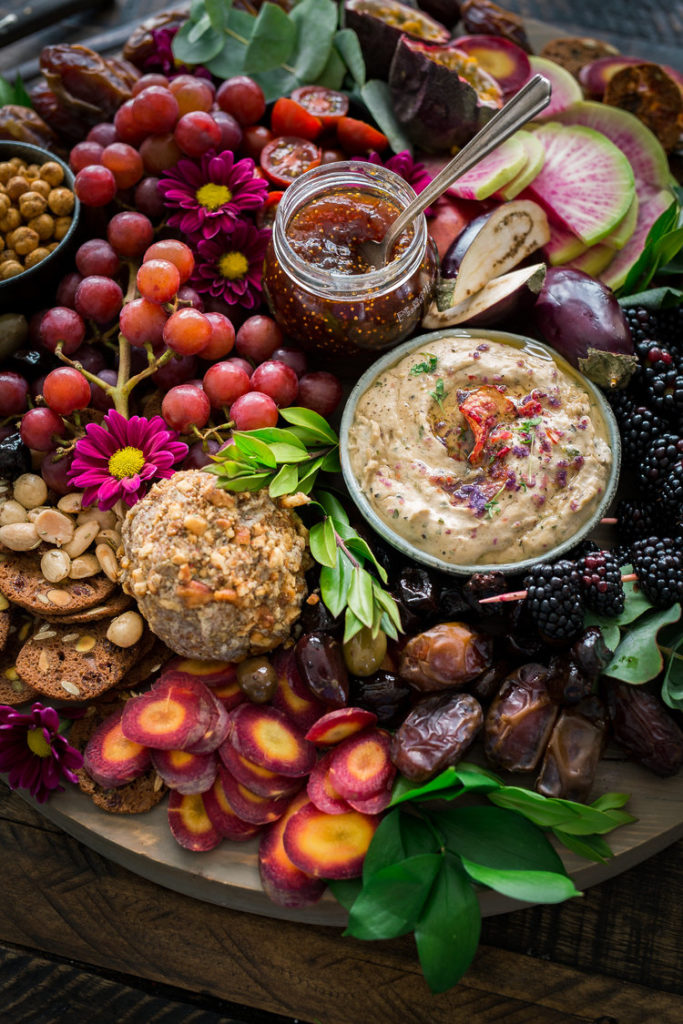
{"x":22,"y":583}
{"x":117,"y":603}
{"x":13,"y":690}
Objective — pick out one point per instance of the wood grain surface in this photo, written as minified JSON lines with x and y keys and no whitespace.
{"x":617,"y":952}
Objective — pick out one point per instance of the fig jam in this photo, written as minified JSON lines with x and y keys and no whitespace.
{"x":319,"y":287}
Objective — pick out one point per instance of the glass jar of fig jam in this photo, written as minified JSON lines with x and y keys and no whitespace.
{"x":318,"y":285}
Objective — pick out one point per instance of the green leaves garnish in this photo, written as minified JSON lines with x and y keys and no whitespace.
{"x":280,"y":50}
{"x":288,"y":461}
{"x":427,"y":366}
{"x":14,"y":94}
{"x":424,"y":863}
{"x":662,"y":245}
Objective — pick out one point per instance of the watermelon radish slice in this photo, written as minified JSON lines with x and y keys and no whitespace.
{"x":585,"y":182}
{"x":563,"y":246}
{"x":650,"y":208}
{"x":535,"y":158}
{"x":618,"y":238}
{"x":491,"y":173}
{"x":640,"y":147}
{"x":564,"y":89}
{"x":594,"y":260}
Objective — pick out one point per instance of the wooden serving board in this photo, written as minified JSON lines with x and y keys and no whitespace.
{"x":228,"y":875}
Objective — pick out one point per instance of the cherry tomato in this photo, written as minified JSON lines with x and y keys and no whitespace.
{"x":358,"y":137}
{"x":265,"y":215}
{"x":286,"y":157}
{"x":290,"y":118}
{"x":327,"y":104}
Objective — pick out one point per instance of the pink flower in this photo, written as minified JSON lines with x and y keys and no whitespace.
{"x":34,"y":752}
{"x":229,"y":267}
{"x":210,"y":194}
{"x":162,"y":59}
{"x":416,"y":174}
{"x":120,"y":458}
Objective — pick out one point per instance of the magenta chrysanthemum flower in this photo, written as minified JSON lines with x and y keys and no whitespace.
{"x":120,"y":458}
{"x":210,"y":194}
{"x":162,"y":58}
{"x":416,"y":174}
{"x":230,"y":267}
{"x":34,"y":752}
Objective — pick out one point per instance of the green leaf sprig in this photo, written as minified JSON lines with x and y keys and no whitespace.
{"x":279,"y":50}
{"x":425,"y":861}
{"x":661,"y":252}
{"x":288,"y":461}
{"x":14,"y":93}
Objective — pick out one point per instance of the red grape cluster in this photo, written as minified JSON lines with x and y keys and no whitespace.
{"x":163,"y":121}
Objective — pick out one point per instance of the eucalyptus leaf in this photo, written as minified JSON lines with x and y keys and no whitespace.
{"x":312,"y":421}
{"x":377,"y":97}
{"x":315,"y":23}
{"x":392,"y":899}
{"x":333,"y":74}
{"x":199,"y":28}
{"x":591,"y":847}
{"x":217,"y":11}
{"x":497,"y":838}
{"x":531,"y":886}
{"x":199,"y":51}
{"x":272,"y":40}
{"x":638,"y":658}
{"x":360,"y":598}
{"x":285,"y":481}
{"x":346,"y":43}
{"x":447,"y":933}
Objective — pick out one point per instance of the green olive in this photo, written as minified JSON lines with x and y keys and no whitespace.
{"x":257,"y":678}
{"x":364,"y":653}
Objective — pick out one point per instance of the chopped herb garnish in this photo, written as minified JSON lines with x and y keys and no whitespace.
{"x":428,"y":366}
{"x":492,"y":505}
{"x":439,"y":393}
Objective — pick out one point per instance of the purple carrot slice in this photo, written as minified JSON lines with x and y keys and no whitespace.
{"x":329,"y":845}
{"x":259,"y":780}
{"x":258,"y":810}
{"x":167,"y":717}
{"x":217,"y":731}
{"x":189,"y":823}
{"x":221,"y":813}
{"x":211,"y":673}
{"x":320,"y":790}
{"x":361,"y":766}
{"x":267,"y":737}
{"x":293,"y":697}
{"x":110,"y":758}
{"x":337,"y":725}
{"x":186,"y":772}
{"x":283,"y":882}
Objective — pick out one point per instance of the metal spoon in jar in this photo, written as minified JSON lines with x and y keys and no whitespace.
{"x":529,"y":101}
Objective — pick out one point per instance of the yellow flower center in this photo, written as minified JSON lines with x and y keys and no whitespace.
{"x":233,"y":265}
{"x":126,"y":462}
{"x":212,"y":196}
{"x":37,"y":743}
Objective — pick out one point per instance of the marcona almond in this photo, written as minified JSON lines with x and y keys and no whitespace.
{"x":12,"y":512}
{"x":84,"y":566}
{"x":54,"y":527}
{"x":71,"y":503}
{"x":33,"y":513}
{"x":105,"y":518}
{"x":83,"y":537}
{"x":107,"y":560}
{"x":19,"y":536}
{"x":110,"y":537}
{"x":126,"y":629}
{"x":55,"y":565}
{"x":30,"y":490}
{"x":85,"y":643}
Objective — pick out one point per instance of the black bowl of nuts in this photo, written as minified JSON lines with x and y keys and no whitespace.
{"x":39,"y":214}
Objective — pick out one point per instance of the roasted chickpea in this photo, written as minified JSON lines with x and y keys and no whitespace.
{"x":52,"y":172}
{"x":36,"y":256}
{"x":43,"y":188}
{"x":61,"y":201}
{"x":51,"y":246}
{"x":6,"y":171}
{"x":43,"y":225}
{"x":24,"y":240}
{"x":62,"y":225}
{"x":32,"y":172}
{"x":10,"y":220}
{"x":9,"y":255}
{"x":5,"y":203}
{"x":16,"y":187}
{"x":17,"y":162}
{"x":10,"y":269}
{"x":32,"y":204}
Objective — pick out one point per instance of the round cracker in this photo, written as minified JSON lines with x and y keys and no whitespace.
{"x":22,"y":583}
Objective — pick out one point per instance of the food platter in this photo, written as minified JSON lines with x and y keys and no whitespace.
{"x":229,"y":875}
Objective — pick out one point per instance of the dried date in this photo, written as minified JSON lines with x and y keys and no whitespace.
{"x":520,"y":720}
{"x":386,"y":694}
{"x":642,"y":725}
{"x":445,"y":657}
{"x":573,"y":751}
{"x":83,"y":82}
{"x":22,"y":124}
{"x":141,"y":44}
{"x":435,"y":735}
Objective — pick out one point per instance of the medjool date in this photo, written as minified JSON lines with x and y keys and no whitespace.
{"x":22,"y":124}
{"x":445,"y":657}
{"x":566,"y":683}
{"x":573,"y":751}
{"x":385,"y":694}
{"x":416,"y":594}
{"x":84,"y":83}
{"x":520,"y":720}
{"x":379,"y":24}
{"x":436,"y":734}
{"x":642,"y":725}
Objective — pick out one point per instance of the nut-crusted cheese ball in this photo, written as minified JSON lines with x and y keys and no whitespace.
{"x":217,"y":575}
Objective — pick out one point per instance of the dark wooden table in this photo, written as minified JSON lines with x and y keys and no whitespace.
{"x":85,"y":941}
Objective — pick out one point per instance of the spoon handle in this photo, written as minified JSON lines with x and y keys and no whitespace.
{"x":525,"y":104}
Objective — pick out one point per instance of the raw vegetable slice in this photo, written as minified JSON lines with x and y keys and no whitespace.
{"x":223,"y":817}
{"x":265,"y":736}
{"x":618,"y":238}
{"x":503,"y":59}
{"x":329,"y":845}
{"x":562,"y":246}
{"x":643,"y":151}
{"x":506,"y":296}
{"x":585,"y":182}
{"x":257,"y":810}
{"x":336,"y":725}
{"x":259,"y":780}
{"x":376,"y":803}
{"x":361,"y":765}
{"x":594,"y":260}
{"x":110,"y":758}
{"x":565,"y":90}
{"x":216,"y":732}
{"x":167,"y":717}
{"x":320,"y":790}
{"x":283,"y":882}
{"x":493,"y":172}
{"x":211,"y":673}
{"x":650,"y":208}
{"x":535,"y":158}
{"x":188,"y":773}
{"x":189,"y":823}
{"x":292,"y":696}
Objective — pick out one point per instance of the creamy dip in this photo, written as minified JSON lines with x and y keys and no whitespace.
{"x":480,"y":452}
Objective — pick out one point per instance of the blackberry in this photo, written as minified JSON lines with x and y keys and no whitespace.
{"x":664,"y":391}
{"x":638,"y":432}
{"x":623,"y":405}
{"x":665,"y":452}
{"x":671,"y":496}
{"x":642,"y":324}
{"x":603,"y":590}
{"x":655,"y":358}
{"x":584,"y":547}
{"x":636,"y":520}
{"x":554,"y":602}
{"x":658,"y":564}
{"x":669,"y":327}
